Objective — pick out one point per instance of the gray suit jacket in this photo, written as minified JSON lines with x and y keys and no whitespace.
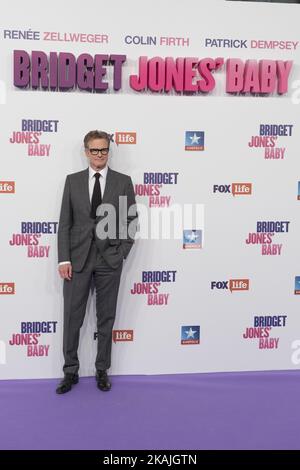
{"x":77,"y":229}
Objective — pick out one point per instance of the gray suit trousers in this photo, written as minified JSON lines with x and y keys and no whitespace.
{"x":76,"y":293}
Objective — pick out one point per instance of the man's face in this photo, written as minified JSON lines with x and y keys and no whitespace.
{"x":98,"y":160}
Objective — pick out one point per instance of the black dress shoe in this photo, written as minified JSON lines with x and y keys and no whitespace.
{"x":103,"y":382}
{"x":66,"y":383}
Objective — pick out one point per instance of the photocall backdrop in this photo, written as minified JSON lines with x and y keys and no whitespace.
{"x":224,"y":295}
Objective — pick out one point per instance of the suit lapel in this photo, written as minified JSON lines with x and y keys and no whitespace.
{"x":85,"y":190}
{"x":109,"y":186}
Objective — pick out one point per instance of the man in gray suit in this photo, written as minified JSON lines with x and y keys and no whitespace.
{"x":95,"y":234}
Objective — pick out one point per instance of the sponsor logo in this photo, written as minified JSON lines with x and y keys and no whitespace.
{"x":233,"y":285}
{"x":236,"y":189}
{"x":7,"y":187}
{"x":122,"y":335}
{"x":190,"y":334}
{"x":192,"y":239}
{"x":194,"y":140}
{"x":125,"y":138}
{"x":297,"y":285}
{"x":7,"y":288}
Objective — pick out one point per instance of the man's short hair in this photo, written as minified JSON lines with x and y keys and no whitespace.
{"x":96,"y":135}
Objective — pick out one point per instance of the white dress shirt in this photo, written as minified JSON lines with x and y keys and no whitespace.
{"x":92,"y":180}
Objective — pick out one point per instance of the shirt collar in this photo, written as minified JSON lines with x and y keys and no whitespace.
{"x":102,"y":172}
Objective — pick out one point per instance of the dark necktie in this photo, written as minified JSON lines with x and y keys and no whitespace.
{"x":96,"y":197}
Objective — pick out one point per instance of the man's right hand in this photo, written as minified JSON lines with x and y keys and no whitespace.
{"x":65,"y":271}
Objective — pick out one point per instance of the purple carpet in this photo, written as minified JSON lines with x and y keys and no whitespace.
{"x":191,"y":411}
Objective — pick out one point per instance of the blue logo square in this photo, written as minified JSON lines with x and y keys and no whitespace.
{"x":190,"y":334}
{"x":194,"y":140}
